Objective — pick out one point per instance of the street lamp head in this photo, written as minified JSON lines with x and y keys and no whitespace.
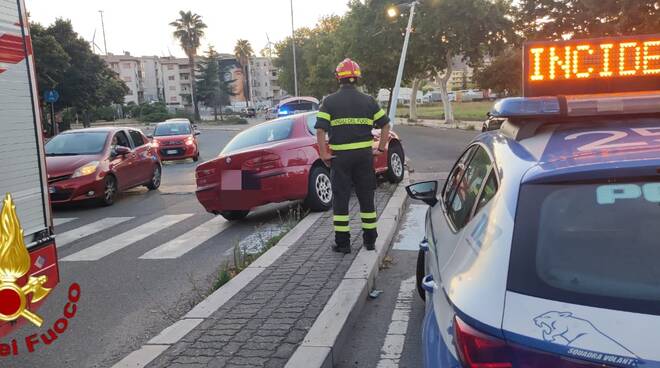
{"x":393,"y":12}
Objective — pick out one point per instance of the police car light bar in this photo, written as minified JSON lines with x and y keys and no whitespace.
{"x":578,"y":105}
{"x":583,"y":66}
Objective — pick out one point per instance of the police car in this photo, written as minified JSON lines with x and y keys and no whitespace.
{"x":543,"y":247}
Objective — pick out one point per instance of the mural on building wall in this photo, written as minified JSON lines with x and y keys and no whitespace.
{"x":233,"y":71}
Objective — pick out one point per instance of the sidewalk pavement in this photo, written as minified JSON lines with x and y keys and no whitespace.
{"x":265,"y":322}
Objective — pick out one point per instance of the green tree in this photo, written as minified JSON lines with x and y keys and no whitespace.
{"x":213,"y":90}
{"x":504,"y":74}
{"x":189,"y":30}
{"x":243,"y":52}
{"x":554,"y":19}
{"x":82,"y":79}
{"x":467,"y":29}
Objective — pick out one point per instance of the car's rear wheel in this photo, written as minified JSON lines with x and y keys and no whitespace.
{"x":420,"y":273}
{"x":154,"y":183}
{"x":109,"y":191}
{"x":234,"y":215}
{"x":395,"y":163}
{"x":319,"y":193}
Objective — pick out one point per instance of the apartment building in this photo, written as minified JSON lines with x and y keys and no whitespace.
{"x":264,"y":82}
{"x":129,"y":69}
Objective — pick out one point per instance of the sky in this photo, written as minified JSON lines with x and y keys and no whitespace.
{"x":141,"y":27}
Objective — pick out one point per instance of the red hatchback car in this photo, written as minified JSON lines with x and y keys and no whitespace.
{"x":176,"y":139}
{"x":98,"y":163}
{"x":278,"y":161}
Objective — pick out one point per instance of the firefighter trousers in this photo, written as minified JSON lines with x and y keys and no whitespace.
{"x":353,"y":168}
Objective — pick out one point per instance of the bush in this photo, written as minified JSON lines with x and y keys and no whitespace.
{"x":155,"y":117}
{"x":106,"y":113}
{"x":234,"y":120}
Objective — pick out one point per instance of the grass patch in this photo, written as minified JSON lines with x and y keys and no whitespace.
{"x":242,"y":258}
{"x":462,"y":110}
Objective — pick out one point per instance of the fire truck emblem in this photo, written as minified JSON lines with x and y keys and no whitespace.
{"x":14,"y":264}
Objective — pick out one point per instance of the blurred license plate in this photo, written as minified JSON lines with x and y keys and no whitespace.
{"x":172,"y":152}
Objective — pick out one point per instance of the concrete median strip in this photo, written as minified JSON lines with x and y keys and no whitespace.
{"x":174,"y":333}
{"x":320,"y":346}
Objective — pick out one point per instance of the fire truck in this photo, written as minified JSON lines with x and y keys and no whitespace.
{"x":28,"y":256}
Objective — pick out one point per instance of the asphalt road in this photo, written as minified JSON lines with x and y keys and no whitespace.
{"x":136,"y":280}
{"x":387,"y":332}
{"x":126,"y":300}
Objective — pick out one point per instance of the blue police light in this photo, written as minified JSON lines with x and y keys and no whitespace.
{"x":283,"y":112}
{"x":526,"y":107}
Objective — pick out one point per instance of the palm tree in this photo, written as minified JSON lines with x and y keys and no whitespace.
{"x":243,"y":52}
{"x":189,"y":30}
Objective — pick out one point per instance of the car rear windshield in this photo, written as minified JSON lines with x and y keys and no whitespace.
{"x":172,"y":129}
{"x":71,"y":144}
{"x":273,"y":131}
{"x":596,"y":243}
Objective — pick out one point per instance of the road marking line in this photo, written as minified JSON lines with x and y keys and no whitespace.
{"x":63,"y":220}
{"x":390,"y":353}
{"x":89,"y":229}
{"x":183,"y":244}
{"x":123,"y":240}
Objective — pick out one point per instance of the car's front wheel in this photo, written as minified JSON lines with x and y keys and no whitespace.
{"x":234,"y":215}
{"x":156,"y":176}
{"x":319,"y":193}
{"x":395,"y":164}
{"x":109,"y":191}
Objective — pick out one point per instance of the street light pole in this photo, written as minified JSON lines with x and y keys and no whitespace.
{"x":402,"y":62}
{"x":293,"y":44}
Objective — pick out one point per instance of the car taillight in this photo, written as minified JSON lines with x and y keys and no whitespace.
{"x":265,"y":161}
{"x":202,"y":173}
{"x":478,"y":350}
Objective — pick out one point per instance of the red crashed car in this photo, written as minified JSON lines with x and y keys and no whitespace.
{"x":278,"y":161}
{"x":98,"y":163}
{"x":176,"y":139}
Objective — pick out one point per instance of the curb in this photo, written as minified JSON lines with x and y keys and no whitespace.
{"x":175,"y":332}
{"x":330,"y":330}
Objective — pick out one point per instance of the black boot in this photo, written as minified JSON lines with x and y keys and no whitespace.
{"x":369,"y":238}
{"x":342,"y":242}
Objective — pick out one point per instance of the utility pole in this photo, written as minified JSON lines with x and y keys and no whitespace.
{"x":293,"y":44}
{"x":105,"y":45}
{"x":402,"y":62}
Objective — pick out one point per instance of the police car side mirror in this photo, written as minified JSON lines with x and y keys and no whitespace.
{"x":426,"y":192}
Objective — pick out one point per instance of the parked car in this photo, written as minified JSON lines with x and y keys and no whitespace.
{"x":278,"y":161}
{"x":98,"y":163}
{"x":249,"y":112}
{"x":296,"y":105}
{"x":176,"y":140}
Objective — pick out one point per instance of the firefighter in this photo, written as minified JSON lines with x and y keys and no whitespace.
{"x":348,"y":116}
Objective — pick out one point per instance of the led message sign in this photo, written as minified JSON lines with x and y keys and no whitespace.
{"x":603,"y":65}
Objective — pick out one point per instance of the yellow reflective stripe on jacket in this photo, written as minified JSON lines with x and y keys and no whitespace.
{"x":351,"y":121}
{"x":323,"y":115}
{"x":340,"y":218}
{"x":379,"y":114}
{"x":351,"y":146}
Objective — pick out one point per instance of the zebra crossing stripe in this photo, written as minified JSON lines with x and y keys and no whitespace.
{"x":123,"y":240}
{"x":183,"y":244}
{"x":89,"y":229}
{"x":63,"y":220}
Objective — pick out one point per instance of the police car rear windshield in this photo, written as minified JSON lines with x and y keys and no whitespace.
{"x":591,"y":243}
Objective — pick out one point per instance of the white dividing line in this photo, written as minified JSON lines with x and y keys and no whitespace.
{"x":63,"y":220}
{"x":123,"y":240}
{"x":89,"y":229}
{"x":390,"y":353}
{"x":183,"y":244}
